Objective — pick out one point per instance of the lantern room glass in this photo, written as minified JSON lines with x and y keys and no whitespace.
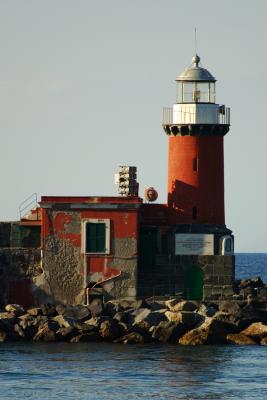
{"x":195,"y":92}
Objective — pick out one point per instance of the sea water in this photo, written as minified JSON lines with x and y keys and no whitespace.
{"x":153,"y":371}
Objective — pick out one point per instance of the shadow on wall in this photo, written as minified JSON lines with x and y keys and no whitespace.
{"x":183,"y":199}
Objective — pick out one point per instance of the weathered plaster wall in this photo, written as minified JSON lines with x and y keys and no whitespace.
{"x":67,"y":272}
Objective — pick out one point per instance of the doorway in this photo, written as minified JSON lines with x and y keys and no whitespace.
{"x":193,"y":283}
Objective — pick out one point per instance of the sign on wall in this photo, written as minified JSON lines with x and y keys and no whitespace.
{"x":194,"y":243}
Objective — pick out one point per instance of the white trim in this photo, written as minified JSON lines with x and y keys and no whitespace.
{"x":96,"y":221}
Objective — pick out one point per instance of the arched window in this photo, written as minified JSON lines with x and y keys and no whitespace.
{"x":226,"y":245}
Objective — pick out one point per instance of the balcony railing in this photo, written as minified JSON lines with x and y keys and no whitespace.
{"x":190,"y":117}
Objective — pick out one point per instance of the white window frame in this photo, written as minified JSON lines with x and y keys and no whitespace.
{"x":96,"y":221}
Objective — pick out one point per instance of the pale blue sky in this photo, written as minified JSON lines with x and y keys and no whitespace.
{"x":83,"y":83}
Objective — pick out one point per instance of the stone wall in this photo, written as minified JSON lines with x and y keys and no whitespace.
{"x":12,"y":234}
{"x":19,"y":267}
{"x":167,"y":277}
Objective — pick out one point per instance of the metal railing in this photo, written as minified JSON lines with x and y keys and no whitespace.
{"x":27,"y":205}
{"x":189,"y":117}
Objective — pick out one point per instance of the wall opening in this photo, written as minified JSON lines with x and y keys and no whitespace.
{"x":194,"y":213}
{"x":195,"y":164}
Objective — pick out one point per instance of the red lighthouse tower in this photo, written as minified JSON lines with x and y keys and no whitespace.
{"x":196,"y":126}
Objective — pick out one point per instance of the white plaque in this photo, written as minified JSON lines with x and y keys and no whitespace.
{"x":194,"y":243}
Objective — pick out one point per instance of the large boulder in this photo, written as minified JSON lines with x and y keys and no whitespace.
{"x":15,"y":309}
{"x":232,"y":323}
{"x":46,"y":332}
{"x":3,"y":336}
{"x":35,"y":311}
{"x":66,"y":334}
{"x":49,"y":310}
{"x":168,"y":331}
{"x":207,"y":310}
{"x":256,"y":331}
{"x":80,"y":312}
{"x":66,"y":322}
{"x":239,"y":339}
{"x":249,"y":315}
{"x":96,"y":307}
{"x":189,"y":319}
{"x":178,"y":305}
{"x":230,"y":307}
{"x":210,"y":332}
{"x":110,"y":330}
{"x":131,"y":338}
{"x":96,"y":321}
{"x":140,"y":315}
{"x":86,"y":337}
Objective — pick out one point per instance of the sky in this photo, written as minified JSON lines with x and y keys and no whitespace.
{"x":83,"y":83}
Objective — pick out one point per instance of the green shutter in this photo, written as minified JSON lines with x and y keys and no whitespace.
{"x":95,"y":240}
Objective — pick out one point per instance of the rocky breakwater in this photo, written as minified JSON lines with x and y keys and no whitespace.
{"x":235,"y":321}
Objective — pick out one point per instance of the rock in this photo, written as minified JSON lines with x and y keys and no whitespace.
{"x":230,"y":307}
{"x":254,"y":282}
{"x":49,"y":310}
{"x":46,"y":332}
{"x":110,"y":330}
{"x":156,"y":306}
{"x":178,"y":305}
{"x":249,"y":315}
{"x":264,"y":341}
{"x":15,"y":309}
{"x":19,"y":331}
{"x":86,"y":337}
{"x":111,"y":308}
{"x":131,"y":338}
{"x":168,"y":331}
{"x":29,"y":325}
{"x":121,"y":316}
{"x":256,"y":331}
{"x":190,"y":319}
{"x":35,"y":311}
{"x":239,"y":339}
{"x":232,"y":324}
{"x":207,"y":311}
{"x":96,"y":307}
{"x":66,"y":334}
{"x":155,"y":317}
{"x":66,"y":322}
{"x":140,"y":315}
{"x":96,"y":321}
{"x":80,"y":313}
{"x":3,"y":336}
{"x":210,"y":332}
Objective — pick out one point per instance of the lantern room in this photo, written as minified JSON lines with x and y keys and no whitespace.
{"x":195,"y":84}
{"x":195,"y":103}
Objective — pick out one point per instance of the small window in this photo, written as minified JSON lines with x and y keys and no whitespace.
{"x":195,"y":164}
{"x":96,"y":238}
{"x":194,"y":213}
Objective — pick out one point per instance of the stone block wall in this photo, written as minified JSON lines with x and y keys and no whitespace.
{"x":167,"y":277}
{"x":19,"y":267}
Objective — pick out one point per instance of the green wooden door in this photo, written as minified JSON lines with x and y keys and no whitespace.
{"x":193,"y":283}
{"x":147,"y":247}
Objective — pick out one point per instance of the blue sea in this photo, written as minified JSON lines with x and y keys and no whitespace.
{"x":111,"y":371}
